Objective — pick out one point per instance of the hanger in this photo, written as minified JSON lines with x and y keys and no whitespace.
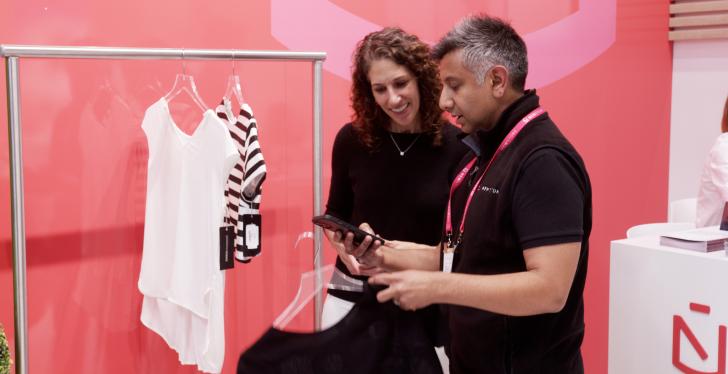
{"x":307,"y":288}
{"x":233,"y":84}
{"x":185,"y":83}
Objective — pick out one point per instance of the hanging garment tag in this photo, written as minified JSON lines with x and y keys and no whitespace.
{"x":251,"y":234}
{"x":227,"y":248}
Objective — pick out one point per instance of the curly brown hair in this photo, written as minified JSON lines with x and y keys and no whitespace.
{"x":404,"y":49}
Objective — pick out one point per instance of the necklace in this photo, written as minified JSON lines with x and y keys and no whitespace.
{"x":401,"y":152}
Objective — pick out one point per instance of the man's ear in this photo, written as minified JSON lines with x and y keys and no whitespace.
{"x":498,"y":78}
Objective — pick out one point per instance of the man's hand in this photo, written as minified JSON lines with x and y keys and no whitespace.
{"x":410,"y":289}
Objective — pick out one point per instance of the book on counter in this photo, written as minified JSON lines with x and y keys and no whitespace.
{"x":706,"y":239}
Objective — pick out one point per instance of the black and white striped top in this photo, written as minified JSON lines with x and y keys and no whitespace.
{"x":243,"y":192}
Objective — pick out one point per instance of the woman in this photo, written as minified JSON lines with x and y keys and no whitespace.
{"x":713,"y":192}
{"x":392,"y":165}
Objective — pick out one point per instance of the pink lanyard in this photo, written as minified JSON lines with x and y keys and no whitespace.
{"x":464,"y":172}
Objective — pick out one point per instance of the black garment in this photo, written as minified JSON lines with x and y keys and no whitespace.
{"x":372,"y":338}
{"x":401,"y":197}
{"x":537,"y":193}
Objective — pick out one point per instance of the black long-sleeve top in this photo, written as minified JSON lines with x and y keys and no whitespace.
{"x":401,"y":197}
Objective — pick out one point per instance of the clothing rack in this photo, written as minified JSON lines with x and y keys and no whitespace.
{"x":12,"y":54}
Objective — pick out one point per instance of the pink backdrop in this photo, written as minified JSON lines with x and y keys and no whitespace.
{"x":603,"y":70}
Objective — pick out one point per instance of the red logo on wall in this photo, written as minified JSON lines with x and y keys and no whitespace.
{"x":679,"y":326}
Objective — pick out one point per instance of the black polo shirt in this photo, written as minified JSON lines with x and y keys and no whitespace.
{"x":536,"y":193}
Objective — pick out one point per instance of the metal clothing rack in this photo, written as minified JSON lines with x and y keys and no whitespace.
{"x":12,"y":54}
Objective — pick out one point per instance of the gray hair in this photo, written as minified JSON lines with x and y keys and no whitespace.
{"x":486,"y":42}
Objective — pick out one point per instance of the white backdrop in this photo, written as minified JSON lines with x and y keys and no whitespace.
{"x":699,"y":89}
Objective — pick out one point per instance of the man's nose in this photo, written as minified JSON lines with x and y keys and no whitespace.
{"x":445,"y":101}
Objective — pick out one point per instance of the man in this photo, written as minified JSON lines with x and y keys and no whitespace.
{"x":514,"y":270}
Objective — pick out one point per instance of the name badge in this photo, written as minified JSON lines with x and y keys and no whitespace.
{"x":448,"y":256}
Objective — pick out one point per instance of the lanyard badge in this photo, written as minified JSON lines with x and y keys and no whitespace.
{"x":448,"y":252}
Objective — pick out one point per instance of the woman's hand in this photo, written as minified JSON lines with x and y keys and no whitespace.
{"x":368,"y":244}
{"x":344,"y":248}
{"x":367,"y":253}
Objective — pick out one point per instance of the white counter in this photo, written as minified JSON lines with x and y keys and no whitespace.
{"x":651,"y":289}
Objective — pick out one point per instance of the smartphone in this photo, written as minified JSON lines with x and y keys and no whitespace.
{"x":332,"y":223}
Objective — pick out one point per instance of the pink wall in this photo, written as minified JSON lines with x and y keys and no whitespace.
{"x":603,"y":74}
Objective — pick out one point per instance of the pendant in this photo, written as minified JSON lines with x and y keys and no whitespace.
{"x":401,"y":153}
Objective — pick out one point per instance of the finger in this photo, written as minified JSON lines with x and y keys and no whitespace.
{"x":406,"y":306}
{"x":365,"y":266}
{"x":349,"y":242}
{"x":338,"y":236}
{"x":367,"y":269}
{"x":365,"y":226}
{"x":382,"y":279}
{"x":371,"y":271}
{"x":372,"y":257}
{"x":363,"y":246}
{"x":386,"y":294}
{"x":352,"y":264}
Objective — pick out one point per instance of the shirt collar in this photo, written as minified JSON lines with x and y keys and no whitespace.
{"x":472,"y":141}
{"x":488,"y":140}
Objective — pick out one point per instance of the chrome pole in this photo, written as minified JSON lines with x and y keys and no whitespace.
{"x":318,"y":259}
{"x":17,"y":216}
{"x":154,"y":53}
